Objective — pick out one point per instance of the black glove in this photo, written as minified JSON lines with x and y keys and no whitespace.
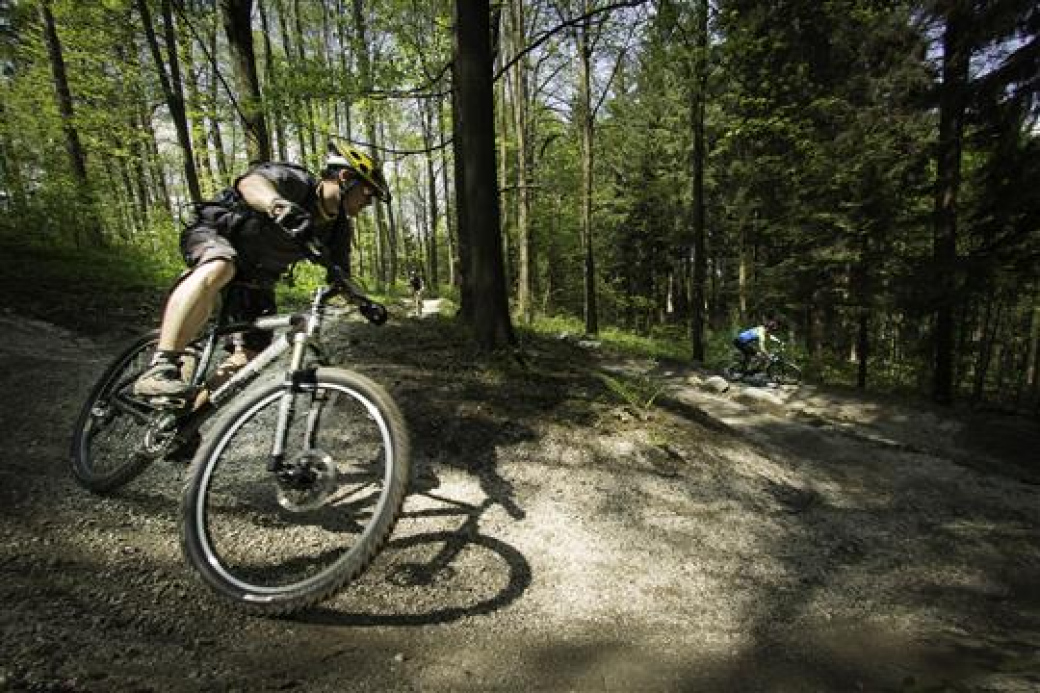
{"x":334,"y":274}
{"x":374,"y":312}
{"x":294,"y":219}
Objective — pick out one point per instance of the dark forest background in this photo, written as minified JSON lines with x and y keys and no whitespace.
{"x":868,"y":171}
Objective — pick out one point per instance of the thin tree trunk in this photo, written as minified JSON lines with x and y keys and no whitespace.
{"x":341,"y":12}
{"x":157,"y":173}
{"x":698,"y":95}
{"x":238,"y":26}
{"x":269,"y":80}
{"x":10,"y":166}
{"x":987,"y":340}
{"x":743,"y":274}
{"x":587,"y":125}
{"x":77,"y":157}
{"x":391,"y":232}
{"x":301,"y":50}
{"x":138,"y":174}
{"x":524,"y":239}
{"x":171,"y":86}
{"x":1033,"y":358}
{"x":449,"y":211}
{"x":283,"y":28}
{"x":215,"y":138}
{"x":365,"y":68}
{"x":196,"y":122}
{"x":956,"y":58}
{"x":429,"y":139}
{"x":504,"y":194}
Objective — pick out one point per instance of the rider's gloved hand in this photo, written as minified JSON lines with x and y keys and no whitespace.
{"x":334,"y":274}
{"x":374,"y":312}
{"x":294,"y":219}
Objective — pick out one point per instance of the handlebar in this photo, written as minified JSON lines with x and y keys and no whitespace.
{"x":342,"y":285}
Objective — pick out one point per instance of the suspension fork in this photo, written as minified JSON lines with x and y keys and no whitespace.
{"x":296,"y":380}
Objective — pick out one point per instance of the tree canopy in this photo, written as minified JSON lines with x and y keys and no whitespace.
{"x":866,"y":171}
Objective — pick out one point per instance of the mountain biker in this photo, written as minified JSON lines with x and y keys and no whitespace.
{"x":415,"y":282}
{"x":274,"y":215}
{"x":751,"y":343}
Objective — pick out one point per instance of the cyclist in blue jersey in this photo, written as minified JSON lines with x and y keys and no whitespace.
{"x":751,"y":343}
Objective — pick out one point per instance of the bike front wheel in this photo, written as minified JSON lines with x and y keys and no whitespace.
{"x":276,"y":542}
{"x":107,"y":439}
{"x":784,"y":373}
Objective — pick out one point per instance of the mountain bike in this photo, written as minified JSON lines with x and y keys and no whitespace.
{"x":778,"y":369}
{"x":300,"y":477}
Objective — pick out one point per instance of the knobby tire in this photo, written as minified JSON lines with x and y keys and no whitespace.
{"x":229,"y":490}
{"x":117,"y":378}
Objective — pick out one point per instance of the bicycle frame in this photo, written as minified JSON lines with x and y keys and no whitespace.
{"x":300,"y":332}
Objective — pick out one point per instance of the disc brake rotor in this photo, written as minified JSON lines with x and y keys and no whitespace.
{"x":309,"y":480}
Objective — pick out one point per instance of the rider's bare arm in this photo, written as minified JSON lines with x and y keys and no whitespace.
{"x":258,"y":192}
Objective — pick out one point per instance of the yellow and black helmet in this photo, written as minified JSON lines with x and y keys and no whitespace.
{"x":362,"y":165}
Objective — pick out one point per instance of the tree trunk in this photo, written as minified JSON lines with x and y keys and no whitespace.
{"x":341,"y":12}
{"x":485,"y":303}
{"x":301,"y":52}
{"x":698,"y":95}
{"x":743,"y":274}
{"x":238,"y":25}
{"x":196,"y":121}
{"x":77,"y":157}
{"x":449,"y":212}
{"x":215,"y":138}
{"x":587,"y":126}
{"x":987,"y":344}
{"x":429,"y":137}
{"x":10,"y":166}
{"x":362,"y":50}
{"x":392,"y":234}
{"x":269,"y":78}
{"x":1033,"y":356}
{"x":952,"y":99}
{"x":283,"y":28}
{"x":525,"y":242}
{"x":171,"y":87}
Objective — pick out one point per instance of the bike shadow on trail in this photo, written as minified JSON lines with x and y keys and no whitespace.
{"x":463,"y":412}
{"x":440,"y":567}
{"x":434,"y":563}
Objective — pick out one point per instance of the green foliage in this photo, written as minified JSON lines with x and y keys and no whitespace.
{"x":818,"y":182}
{"x":638,"y":392}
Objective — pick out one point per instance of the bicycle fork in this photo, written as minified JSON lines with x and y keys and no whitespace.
{"x":298,"y":379}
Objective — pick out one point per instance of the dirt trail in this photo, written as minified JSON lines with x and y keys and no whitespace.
{"x":558,"y":539}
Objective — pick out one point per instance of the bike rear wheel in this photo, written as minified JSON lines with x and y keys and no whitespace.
{"x":275,"y":546}
{"x":735,"y":370}
{"x":112,"y":423}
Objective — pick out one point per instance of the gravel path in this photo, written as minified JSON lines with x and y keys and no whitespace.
{"x":557,"y":539}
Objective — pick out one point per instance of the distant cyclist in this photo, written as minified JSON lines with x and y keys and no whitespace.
{"x":415,"y":281}
{"x":752,"y":344}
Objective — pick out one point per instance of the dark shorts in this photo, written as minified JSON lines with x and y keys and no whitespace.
{"x":201,"y":244}
{"x":746,"y":348}
{"x":250,"y":294}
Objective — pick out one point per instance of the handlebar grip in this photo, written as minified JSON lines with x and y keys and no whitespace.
{"x":375,"y":313}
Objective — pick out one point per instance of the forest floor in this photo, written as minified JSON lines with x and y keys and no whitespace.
{"x":570,"y":537}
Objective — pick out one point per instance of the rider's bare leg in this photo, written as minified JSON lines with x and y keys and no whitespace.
{"x":192,"y":302}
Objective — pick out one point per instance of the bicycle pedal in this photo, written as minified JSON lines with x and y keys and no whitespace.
{"x":166,"y":402}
